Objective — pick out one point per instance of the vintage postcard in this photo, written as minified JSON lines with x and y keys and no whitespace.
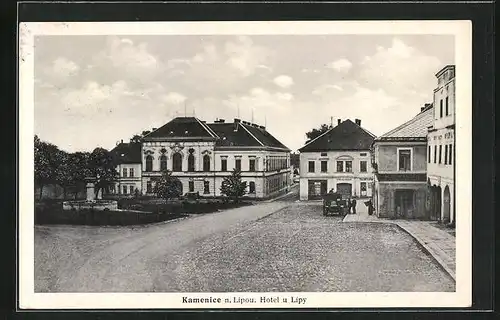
{"x":188,"y":165}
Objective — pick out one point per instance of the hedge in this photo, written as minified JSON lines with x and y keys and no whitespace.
{"x":53,"y":213}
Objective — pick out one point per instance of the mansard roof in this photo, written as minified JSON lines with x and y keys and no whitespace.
{"x":182,"y":127}
{"x":237,"y":134}
{"x":414,"y":129}
{"x":127,"y":152}
{"x":345,"y":136}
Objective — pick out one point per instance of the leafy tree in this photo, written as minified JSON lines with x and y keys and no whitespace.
{"x":316,"y":132}
{"x":102,"y":167}
{"x":233,"y":187}
{"x":78,"y":168}
{"x":63,"y":171}
{"x":168,"y":187}
{"x":46,"y":163}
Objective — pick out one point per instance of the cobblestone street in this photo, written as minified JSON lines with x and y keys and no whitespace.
{"x":294,"y":249}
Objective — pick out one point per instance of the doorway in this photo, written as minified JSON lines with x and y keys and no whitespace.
{"x":446,"y":205}
{"x":316,"y":188}
{"x":344,"y":189}
{"x":404,"y":203}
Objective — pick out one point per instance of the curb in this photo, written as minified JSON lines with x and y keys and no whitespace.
{"x":430,"y":251}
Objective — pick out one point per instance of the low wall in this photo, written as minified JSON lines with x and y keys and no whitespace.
{"x":54,"y":214}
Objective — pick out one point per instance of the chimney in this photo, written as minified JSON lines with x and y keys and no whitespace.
{"x":339,"y":121}
{"x":122,"y":141}
{"x":236,"y":120}
{"x":222,"y":120}
{"x":358,"y":122}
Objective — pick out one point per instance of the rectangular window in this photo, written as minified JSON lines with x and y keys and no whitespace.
{"x":124,"y":172}
{"x":446,"y":106}
{"x":435,"y":153}
{"x":429,"y":154}
{"x":131,"y":189}
{"x":450,"y":152}
{"x":251,"y":165}
{"x":223,"y":164}
{"x":441,"y":108}
{"x":237,"y":164}
{"x":191,"y":186}
{"x":363,"y":186}
{"x":340,"y":166}
{"x":440,"y":152}
{"x":324,"y":166}
{"x":348,"y":166}
{"x":206,"y":187}
{"x":363,"y":154}
{"x":323,"y":154}
{"x":311,"y":166}
{"x":124,"y":189}
{"x":446,"y":154}
{"x":131,"y":172}
{"x":404,"y":157}
{"x":149,"y":187}
{"x":362,"y":166}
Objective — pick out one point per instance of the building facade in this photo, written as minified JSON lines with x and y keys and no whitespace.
{"x":400,"y":163}
{"x":202,"y":154}
{"x":339,"y":159}
{"x":128,"y":156}
{"x":441,"y":148}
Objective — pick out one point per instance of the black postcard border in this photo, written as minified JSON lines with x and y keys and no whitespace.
{"x":482,"y":17}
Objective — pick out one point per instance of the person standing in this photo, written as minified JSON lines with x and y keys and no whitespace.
{"x":353,"y":205}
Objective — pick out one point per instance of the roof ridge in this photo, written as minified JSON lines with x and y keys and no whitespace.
{"x":253,"y":136}
{"x":405,"y":124}
{"x":207,"y":128}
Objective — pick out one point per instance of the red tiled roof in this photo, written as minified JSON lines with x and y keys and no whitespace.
{"x":345,"y":136}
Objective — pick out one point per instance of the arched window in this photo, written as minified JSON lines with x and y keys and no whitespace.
{"x":149,"y":163}
{"x":177,"y":162}
{"x":191,"y":163}
{"x":163,"y":162}
{"x":206,"y":162}
{"x":252,"y":187}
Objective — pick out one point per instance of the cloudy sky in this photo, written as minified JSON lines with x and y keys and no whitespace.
{"x":96,"y":90}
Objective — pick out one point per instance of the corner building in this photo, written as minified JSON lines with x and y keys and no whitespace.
{"x":441,"y":148}
{"x":339,"y":159}
{"x":201,"y":154}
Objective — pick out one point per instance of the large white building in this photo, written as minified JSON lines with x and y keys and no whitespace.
{"x":441,"y":148}
{"x":339,"y":159}
{"x":201,"y":154}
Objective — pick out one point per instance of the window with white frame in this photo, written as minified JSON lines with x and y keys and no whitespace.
{"x":404,"y":159}
{"x":348,"y":166}
{"x":362,"y":166}
{"x":340,"y":166}
{"x":131,"y":172}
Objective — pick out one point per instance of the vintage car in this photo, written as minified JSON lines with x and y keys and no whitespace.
{"x":334,"y":203}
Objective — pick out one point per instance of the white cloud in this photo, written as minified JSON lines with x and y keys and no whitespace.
{"x":283,"y":81}
{"x":174,"y":98}
{"x":306,"y":70}
{"x":341,"y":65}
{"x":128,"y":58}
{"x":244,"y":56}
{"x":401,"y":70}
{"x":63,"y":68}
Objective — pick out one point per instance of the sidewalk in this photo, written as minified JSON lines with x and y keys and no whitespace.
{"x":439,"y":243}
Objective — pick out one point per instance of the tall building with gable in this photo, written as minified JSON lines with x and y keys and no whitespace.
{"x":441,"y":147}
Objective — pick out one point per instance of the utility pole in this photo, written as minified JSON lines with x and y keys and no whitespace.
{"x":252,"y":115}
{"x":185,"y":113}
{"x":238,"y":106}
